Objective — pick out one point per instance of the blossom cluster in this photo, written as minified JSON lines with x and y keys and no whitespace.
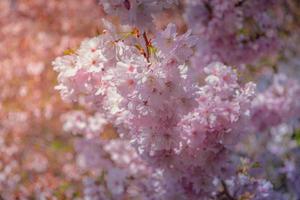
{"x":139,"y":13}
{"x":277,"y":104}
{"x":112,"y":160}
{"x":245,"y":187}
{"x":157,"y":102}
{"x":246,"y":28}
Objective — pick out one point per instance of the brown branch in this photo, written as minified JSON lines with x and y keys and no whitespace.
{"x":225,"y":191}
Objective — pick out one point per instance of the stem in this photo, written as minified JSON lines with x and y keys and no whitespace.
{"x":148,"y":43}
{"x":225,"y":191}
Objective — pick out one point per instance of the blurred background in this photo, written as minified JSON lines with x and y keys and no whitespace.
{"x":36,"y":158}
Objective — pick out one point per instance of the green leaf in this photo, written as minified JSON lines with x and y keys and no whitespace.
{"x":152,"y":50}
{"x":256,"y":165}
{"x":296,"y":136}
{"x":60,"y":145}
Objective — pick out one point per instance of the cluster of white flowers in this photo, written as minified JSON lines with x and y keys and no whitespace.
{"x":155,"y":100}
